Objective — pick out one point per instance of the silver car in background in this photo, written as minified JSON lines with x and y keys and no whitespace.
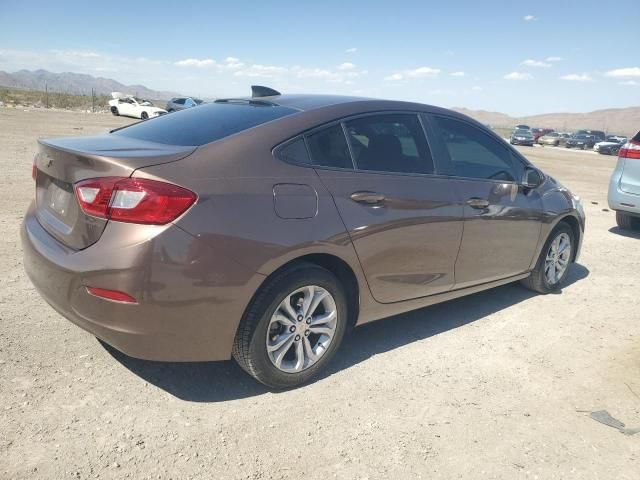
{"x":180,"y":103}
{"x":624,"y":187}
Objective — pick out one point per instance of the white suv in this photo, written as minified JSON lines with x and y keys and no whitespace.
{"x":624,"y":187}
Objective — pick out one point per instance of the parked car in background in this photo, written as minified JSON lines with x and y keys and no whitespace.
{"x":130,"y":106}
{"x":522,"y":137}
{"x":177,"y":104}
{"x":553,"y":138}
{"x":611,"y":145}
{"x":283,"y":222}
{"x":624,"y":187}
{"x":581,"y":141}
{"x":598,"y":135}
{"x":539,"y":132}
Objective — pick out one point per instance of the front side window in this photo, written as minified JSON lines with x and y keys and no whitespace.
{"x":475,"y":154}
{"x":390,"y":143}
{"x":328,"y":148}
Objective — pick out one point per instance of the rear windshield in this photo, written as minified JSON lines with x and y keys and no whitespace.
{"x":205,"y":124}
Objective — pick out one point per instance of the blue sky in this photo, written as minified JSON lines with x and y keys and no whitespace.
{"x":513,"y":57}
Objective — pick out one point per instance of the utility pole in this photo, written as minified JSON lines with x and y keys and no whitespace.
{"x":93,"y":100}
{"x":46,"y":95}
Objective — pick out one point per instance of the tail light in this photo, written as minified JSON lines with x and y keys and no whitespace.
{"x":113,"y":295}
{"x":630,"y":149}
{"x":133,"y":200}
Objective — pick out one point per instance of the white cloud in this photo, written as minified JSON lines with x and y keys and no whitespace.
{"x":394,"y":77}
{"x":576,"y":77}
{"x":351,"y":50}
{"x":458,"y":74}
{"x":264,"y":71}
{"x":194,"y":62}
{"x":517,"y":76}
{"x":624,"y":72}
{"x":632,"y":83}
{"x":476,"y":88}
{"x":529,"y":18}
{"x":420,"y":72}
{"x":346,"y":66}
{"x":535,"y":63}
{"x":554,"y":59}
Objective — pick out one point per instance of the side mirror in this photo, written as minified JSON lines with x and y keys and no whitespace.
{"x":532,"y":178}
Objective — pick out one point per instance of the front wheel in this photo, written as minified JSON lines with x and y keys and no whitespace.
{"x":293,"y":326}
{"x":144,"y":115}
{"x":115,"y":112}
{"x":553,"y":263}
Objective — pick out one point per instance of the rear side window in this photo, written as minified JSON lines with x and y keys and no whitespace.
{"x":295,"y":152}
{"x":474,"y":154}
{"x":328,"y":148}
{"x":636,"y":138}
{"x":390,"y":143}
{"x":205,"y":124}
{"x":179,"y":101}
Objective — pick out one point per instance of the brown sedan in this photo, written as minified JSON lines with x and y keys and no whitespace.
{"x":263,"y":228}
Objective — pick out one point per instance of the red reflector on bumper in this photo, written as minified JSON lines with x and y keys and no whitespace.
{"x":112,"y":295}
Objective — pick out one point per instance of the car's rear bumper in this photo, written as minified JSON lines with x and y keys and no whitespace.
{"x":189,"y":301}
{"x":618,"y":199}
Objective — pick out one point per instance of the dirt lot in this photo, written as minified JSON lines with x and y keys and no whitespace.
{"x":496,"y":385}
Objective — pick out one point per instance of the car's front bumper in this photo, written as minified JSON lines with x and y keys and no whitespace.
{"x":522,"y":142}
{"x":190,"y":301}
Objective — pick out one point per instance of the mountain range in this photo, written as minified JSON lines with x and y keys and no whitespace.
{"x":76,"y":84}
{"x":615,"y":120}
{"x":624,"y":121}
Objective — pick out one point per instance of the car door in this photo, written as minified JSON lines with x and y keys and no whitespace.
{"x":405,"y":222}
{"x":502,"y":218}
{"x":125,"y":106}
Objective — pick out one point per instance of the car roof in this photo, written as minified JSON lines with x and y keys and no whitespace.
{"x":355,"y":105}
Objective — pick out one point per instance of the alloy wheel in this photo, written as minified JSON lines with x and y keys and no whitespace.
{"x":557,"y":259}
{"x":301,"y":329}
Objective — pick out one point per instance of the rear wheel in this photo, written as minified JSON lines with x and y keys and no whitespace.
{"x":626,"y":221}
{"x":553,"y":264}
{"x":293,"y":326}
{"x":114,"y":111}
{"x":144,"y":115}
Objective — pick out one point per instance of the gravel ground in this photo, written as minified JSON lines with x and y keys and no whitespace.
{"x":495,"y":385}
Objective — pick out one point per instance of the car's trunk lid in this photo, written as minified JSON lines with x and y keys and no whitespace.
{"x":64,"y":161}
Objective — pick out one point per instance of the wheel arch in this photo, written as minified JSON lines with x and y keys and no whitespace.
{"x":340,"y":268}
{"x":574,"y":224}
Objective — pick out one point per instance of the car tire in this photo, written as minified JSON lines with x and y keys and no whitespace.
{"x":115,"y":112}
{"x":627,"y":222}
{"x":539,"y":280}
{"x":144,"y":115}
{"x":261,"y":325}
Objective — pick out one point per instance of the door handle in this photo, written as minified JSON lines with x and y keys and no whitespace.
{"x":368,"y":198}
{"x":479,"y":203}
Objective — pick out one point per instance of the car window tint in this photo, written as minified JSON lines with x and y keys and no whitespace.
{"x":475,"y":154}
{"x":205,"y":124}
{"x":295,"y":152}
{"x":328,"y":148}
{"x":390,"y":143}
{"x":179,"y":101}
